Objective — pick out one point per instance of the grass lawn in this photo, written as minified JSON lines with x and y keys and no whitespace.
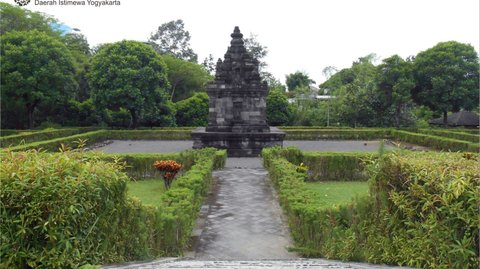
{"x":148,"y":191}
{"x":338,"y":192}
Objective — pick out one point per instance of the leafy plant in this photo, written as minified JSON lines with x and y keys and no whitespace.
{"x":169,"y":170}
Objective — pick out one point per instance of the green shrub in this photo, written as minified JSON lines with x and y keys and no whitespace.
{"x":422,"y":212}
{"x":65,"y":210}
{"x":57,"y":209}
{"x":431,"y":210}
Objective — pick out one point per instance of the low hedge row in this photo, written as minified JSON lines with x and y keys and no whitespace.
{"x":68,"y":141}
{"x":327,"y":166}
{"x":473,"y":138}
{"x":429,"y":140}
{"x":5,"y":132}
{"x":318,"y":134}
{"x":100,"y":135}
{"x":64,"y":210}
{"x":29,"y":137}
{"x":422,"y":212}
{"x":155,"y":134}
{"x":336,"y":166}
{"x":436,"y":142}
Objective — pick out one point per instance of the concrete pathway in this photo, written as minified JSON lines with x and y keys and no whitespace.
{"x":244,"y":220}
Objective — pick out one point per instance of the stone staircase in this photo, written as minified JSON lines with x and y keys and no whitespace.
{"x":251,"y":264}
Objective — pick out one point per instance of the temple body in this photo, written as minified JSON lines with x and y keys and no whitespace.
{"x":237,"y":106}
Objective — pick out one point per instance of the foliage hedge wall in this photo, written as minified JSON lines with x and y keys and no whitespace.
{"x":29,"y":137}
{"x":63,"y":210}
{"x":437,"y":139}
{"x":327,"y":166}
{"x":422,"y":211}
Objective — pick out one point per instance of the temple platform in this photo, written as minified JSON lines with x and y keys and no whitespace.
{"x":238,"y":144}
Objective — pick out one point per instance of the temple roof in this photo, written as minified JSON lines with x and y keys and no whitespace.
{"x":462,"y":118}
{"x":238,"y":66}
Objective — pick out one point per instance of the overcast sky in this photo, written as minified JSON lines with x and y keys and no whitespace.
{"x":304,"y":35}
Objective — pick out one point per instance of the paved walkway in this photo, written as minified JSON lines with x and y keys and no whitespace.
{"x":244,"y":220}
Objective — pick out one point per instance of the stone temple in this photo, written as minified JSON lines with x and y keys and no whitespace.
{"x":237,"y":109}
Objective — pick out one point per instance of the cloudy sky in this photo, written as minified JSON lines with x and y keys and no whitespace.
{"x":304,"y":35}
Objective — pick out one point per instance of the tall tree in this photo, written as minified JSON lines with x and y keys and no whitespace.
{"x":193,"y":111}
{"x":35,"y":68}
{"x":257,"y":50}
{"x":298,"y":80}
{"x":129,"y":75}
{"x":172,"y":38}
{"x":20,"y":19}
{"x":329,"y":71}
{"x":357,"y":102}
{"x":447,"y":77}
{"x":209,"y":64}
{"x":78,"y":45}
{"x":278,"y":112}
{"x":395,"y":82}
{"x":185,"y":78}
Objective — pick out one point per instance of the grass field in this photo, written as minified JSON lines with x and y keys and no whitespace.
{"x":333,"y":193}
{"x":148,"y":191}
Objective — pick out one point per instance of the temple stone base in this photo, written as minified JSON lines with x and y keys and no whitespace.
{"x":238,"y":144}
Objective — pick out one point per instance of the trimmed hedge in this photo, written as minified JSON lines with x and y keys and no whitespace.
{"x":335,"y":166}
{"x":422,"y":212}
{"x":435,"y":142}
{"x":327,"y":166}
{"x":160,"y":134}
{"x":101,"y":135}
{"x":318,"y":134}
{"x":29,"y":137}
{"x":8,"y":132}
{"x":69,"y":141}
{"x":64,"y":210}
{"x":473,"y":138}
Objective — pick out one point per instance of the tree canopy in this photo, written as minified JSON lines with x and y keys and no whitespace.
{"x":20,"y":19}
{"x":395,"y":81}
{"x":447,"y":77}
{"x":172,"y":38}
{"x":193,"y":111}
{"x":129,"y":75}
{"x":36,"y":68}
{"x":298,"y":80}
{"x":185,"y":78}
{"x":278,"y":112}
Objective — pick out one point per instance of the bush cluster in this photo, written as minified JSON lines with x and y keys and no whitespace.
{"x":64,"y":210}
{"x":422,"y":211}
